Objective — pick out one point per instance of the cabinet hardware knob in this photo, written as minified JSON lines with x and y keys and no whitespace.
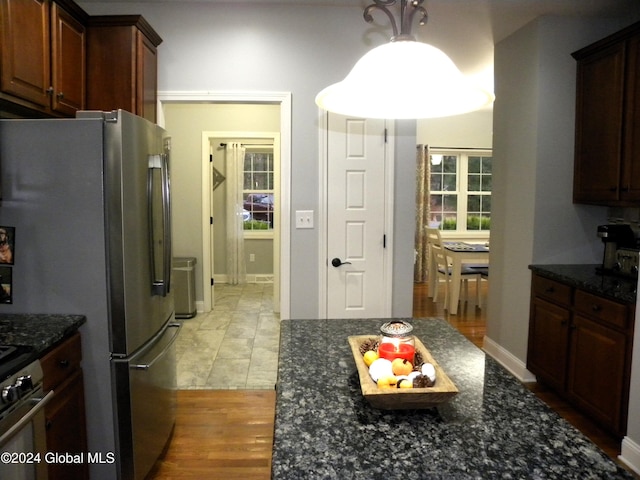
{"x":596,"y":308}
{"x":64,"y":363}
{"x":49,"y":91}
{"x":60,"y":95}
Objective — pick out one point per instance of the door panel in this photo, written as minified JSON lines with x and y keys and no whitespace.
{"x":356,"y":218}
{"x":26,"y":62}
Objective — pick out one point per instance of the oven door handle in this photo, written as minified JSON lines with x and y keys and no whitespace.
{"x":38,"y":405}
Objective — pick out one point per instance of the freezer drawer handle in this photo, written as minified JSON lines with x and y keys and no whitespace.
{"x":147,"y":366}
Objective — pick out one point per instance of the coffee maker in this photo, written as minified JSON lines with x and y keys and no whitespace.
{"x":615,"y":236}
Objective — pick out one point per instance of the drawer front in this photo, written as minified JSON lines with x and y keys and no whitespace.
{"x":60,"y":362}
{"x":607,"y":311}
{"x":551,"y":290}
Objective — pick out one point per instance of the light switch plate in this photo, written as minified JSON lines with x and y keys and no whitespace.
{"x":304,"y":218}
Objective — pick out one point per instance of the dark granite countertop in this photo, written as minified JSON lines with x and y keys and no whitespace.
{"x":494,"y":428}
{"x":38,"y":331}
{"x":585,"y":277}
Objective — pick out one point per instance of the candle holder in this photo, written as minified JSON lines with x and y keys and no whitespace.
{"x":396,"y":341}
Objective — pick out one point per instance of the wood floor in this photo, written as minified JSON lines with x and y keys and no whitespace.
{"x":221,"y":434}
{"x":228,"y":434}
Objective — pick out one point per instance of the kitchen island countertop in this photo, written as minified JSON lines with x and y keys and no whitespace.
{"x":494,"y":428}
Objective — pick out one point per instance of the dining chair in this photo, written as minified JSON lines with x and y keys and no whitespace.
{"x":484,"y":275}
{"x":438,"y":254}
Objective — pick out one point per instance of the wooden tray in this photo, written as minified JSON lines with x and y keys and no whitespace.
{"x":402,"y":399}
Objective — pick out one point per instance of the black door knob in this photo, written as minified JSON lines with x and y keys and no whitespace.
{"x":336,"y":262}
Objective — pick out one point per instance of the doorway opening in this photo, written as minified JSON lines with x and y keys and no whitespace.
{"x":282,"y":100}
{"x":261,"y":199}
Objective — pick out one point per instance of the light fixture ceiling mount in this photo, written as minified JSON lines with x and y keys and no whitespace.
{"x":408,"y":11}
{"x":403,"y":78}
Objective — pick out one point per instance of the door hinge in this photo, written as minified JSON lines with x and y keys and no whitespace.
{"x":385,"y":135}
{"x":210,"y":220}
{"x":212,"y":282}
{"x":210,"y":158}
{"x":384,"y":241}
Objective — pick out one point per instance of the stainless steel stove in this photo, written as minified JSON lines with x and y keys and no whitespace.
{"x":12,"y":358}
{"x":22,"y":421}
{"x":19,"y":385}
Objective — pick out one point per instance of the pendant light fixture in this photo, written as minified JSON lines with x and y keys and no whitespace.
{"x":403,"y":78}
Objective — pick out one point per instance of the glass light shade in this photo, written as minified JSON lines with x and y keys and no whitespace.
{"x":404,"y":79}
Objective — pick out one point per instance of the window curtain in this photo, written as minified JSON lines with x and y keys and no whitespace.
{"x":423,"y":166}
{"x":236,"y":266}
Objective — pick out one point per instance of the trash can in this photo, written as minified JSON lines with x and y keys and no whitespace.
{"x":184,"y":287}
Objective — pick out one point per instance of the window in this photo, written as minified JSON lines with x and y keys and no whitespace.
{"x":258,"y":190}
{"x":460,"y":188}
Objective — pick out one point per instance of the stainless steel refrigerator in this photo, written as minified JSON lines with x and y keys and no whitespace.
{"x":89,"y":199}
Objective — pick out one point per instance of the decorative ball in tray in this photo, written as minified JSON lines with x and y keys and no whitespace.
{"x":397,"y":372}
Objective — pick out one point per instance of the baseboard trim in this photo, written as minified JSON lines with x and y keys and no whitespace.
{"x":630,"y":454}
{"x":251,"y":278}
{"x":509,"y":361}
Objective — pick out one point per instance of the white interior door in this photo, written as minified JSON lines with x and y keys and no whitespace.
{"x":357,"y":243}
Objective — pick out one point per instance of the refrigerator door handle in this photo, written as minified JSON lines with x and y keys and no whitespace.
{"x":159,"y":192}
{"x":147,"y":366}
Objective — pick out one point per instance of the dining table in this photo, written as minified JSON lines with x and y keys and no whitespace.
{"x":460,"y":253}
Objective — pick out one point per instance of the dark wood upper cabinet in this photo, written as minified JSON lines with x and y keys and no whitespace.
{"x":68,"y":67}
{"x":42,"y":57}
{"x":607,"y":142}
{"x":122,"y":65}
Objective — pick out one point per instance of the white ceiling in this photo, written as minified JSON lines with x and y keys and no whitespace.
{"x":499,"y":18}
{"x":466,"y":30}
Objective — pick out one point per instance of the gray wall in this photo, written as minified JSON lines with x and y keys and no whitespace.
{"x":298,"y":49}
{"x":533,"y":217}
{"x":186,"y":122}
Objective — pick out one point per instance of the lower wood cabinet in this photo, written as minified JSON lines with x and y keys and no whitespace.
{"x":65,"y":413}
{"x":580,"y":344}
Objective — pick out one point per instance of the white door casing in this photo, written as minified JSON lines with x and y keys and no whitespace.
{"x":273,"y":138}
{"x":358,"y":218}
{"x":283,"y":259}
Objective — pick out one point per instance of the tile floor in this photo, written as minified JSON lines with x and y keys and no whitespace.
{"x":235,"y":346}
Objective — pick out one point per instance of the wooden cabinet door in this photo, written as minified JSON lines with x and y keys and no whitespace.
{"x":122,"y":65}
{"x":26,"y":69}
{"x":148,"y":78}
{"x":548,"y":342}
{"x":66,"y":431}
{"x":631,"y":163}
{"x":597,"y":370}
{"x":599,"y":107}
{"x":68,"y":62}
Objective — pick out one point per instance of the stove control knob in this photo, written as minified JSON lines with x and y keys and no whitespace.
{"x":24,"y":383}
{"x":10,"y":394}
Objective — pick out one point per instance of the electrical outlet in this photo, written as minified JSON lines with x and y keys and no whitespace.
{"x":304,"y":218}
{"x":252,"y":257}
